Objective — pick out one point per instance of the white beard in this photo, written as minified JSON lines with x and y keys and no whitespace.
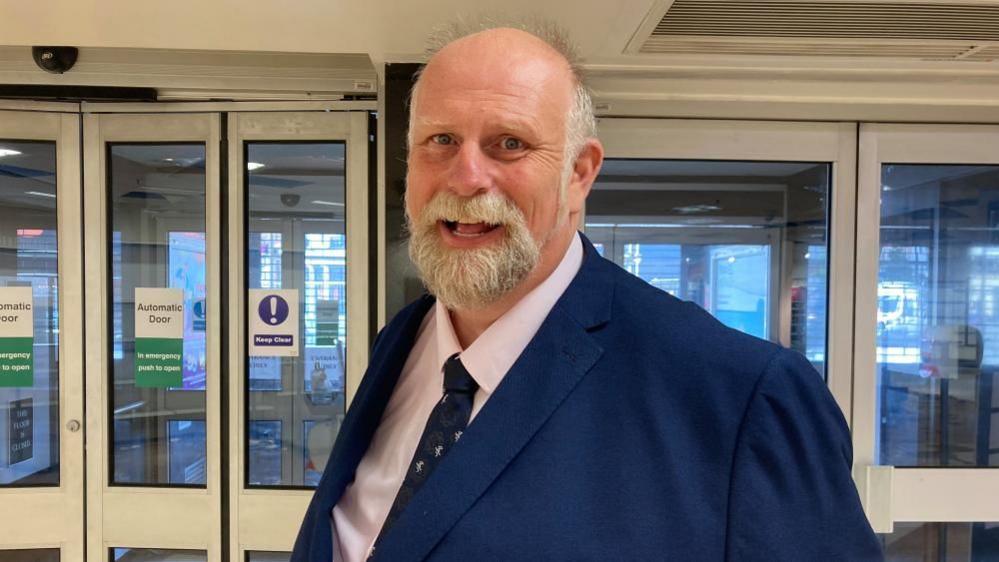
{"x":474,"y":278}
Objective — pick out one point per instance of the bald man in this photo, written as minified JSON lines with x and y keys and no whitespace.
{"x":542,"y":404}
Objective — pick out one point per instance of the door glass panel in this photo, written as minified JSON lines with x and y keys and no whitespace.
{"x":261,"y":556}
{"x":938,"y":316}
{"x":747,"y":241}
{"x":296,"y":240}
{"x":187,"y":462}
{"x":30,"y":555}
{"x":156,"y":213}
{"x":942,"y":542}
{"x":29,"y":339}
{"x":265,"y":444}
{"x":157,"y":555}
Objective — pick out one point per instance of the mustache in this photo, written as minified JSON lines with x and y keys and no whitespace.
{"x":489,"y":208}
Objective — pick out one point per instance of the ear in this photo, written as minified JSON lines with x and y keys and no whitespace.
{"x":584,"y":173}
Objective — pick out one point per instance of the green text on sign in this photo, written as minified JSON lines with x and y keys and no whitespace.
{"x":158,"y":362}
{"x":17,"y":362}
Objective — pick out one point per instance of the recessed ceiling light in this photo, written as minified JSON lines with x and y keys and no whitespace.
{"x":8,"y":152}
{"x":251,"y":166}
{"x":690,"y":209}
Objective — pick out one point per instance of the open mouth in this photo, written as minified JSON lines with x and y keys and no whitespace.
{"x":469,"y":230}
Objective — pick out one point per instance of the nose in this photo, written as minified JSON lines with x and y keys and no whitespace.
{"x":469,"y":174}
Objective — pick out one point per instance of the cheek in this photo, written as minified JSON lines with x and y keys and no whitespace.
{"x":535,"y":193}
{"x":416,"y":196}
{"x":421,"y":181}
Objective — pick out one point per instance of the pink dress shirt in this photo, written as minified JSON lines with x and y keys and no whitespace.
{"x":358,"y":516}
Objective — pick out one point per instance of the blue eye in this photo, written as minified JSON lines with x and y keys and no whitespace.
{"x":442,"y":139}
{"x":510,"y":143}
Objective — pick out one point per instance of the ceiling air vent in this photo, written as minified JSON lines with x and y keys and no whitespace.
{"x":830,"y":28}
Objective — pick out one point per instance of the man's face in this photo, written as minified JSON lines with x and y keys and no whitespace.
{"x":486,"y":165}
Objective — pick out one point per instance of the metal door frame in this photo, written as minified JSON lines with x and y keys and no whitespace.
{"x":52,"y":517}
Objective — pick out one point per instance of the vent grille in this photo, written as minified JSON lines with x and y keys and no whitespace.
{"x":983,"y":53}
{"x":697,"y":47}
{"x":851,"y":29}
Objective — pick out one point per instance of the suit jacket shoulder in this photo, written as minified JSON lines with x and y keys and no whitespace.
{"x":773,"y":427}
{"x":681,"y":355}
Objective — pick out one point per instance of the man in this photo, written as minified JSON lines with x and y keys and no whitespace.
{"x":546,"y":405}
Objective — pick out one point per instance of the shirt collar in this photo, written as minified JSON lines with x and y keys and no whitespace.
{"x":493,"y":353}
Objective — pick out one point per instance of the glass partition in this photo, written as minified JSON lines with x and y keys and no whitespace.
{"x":30,"y":555}
{"x":938,"y":315}
{"x":29,"y":315}
{"x":747,"y":241}
{"x":265,"y":445}
{"x":157,"y":555}
{"x":156,"y":255}
{"x":942,"y":542}
{"x":296,"y":256}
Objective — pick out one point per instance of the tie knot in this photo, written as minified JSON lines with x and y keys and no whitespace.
{"x":456,"y":377}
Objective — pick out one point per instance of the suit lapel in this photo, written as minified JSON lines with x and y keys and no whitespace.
{"x":552,"y":365}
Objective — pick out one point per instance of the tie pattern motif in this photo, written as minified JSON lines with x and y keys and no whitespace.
{"x":444,"y":428}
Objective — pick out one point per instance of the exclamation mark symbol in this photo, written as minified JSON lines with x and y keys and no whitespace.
{"x":274,"y":319}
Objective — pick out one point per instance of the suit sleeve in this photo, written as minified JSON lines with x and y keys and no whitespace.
{"x":792,"y":497}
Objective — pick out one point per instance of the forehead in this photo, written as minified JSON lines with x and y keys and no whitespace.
{"x":474,"y":78}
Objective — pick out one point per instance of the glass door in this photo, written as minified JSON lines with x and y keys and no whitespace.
{"x":926,"y":408}
{"x":153,"y":390}
{"x":298,"y":311}
{"x":750,"y":220}
{"x":41,"y":378}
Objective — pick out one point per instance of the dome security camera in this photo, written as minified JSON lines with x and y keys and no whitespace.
{"x":55,"y":59}
{"x":290,"y":199}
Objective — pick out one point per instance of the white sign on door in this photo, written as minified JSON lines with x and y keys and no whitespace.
{"x":17,"y":332}
{"x":159,"y":313}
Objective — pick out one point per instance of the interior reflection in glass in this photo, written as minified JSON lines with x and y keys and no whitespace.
{"x":296,"y":239}
{"x":262,"y":556}
{"x":942,"y":542}
{"x":156,"y":203}
{"x":157,"y":555}
{"x":747,"y":241}
{"x":938,"y":315}
{"x":29,"y":413}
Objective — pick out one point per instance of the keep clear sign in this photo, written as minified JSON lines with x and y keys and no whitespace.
{"x":273,"y":322}
{"x":159,"y":337}
{"x":17,"y":361}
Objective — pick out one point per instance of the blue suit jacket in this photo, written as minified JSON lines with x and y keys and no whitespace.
{"x":634,"y":426}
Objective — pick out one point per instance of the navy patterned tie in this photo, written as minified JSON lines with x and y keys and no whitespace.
{"x":445,"y":425}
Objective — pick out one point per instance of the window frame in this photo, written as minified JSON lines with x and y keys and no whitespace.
{"x":909,"y":494}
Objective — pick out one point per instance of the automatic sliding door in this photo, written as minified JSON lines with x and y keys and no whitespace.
{"x":927,"y":339}
{"x":41,"y":379}
{"x":298,"y":311}
{"x":152,"y":276}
